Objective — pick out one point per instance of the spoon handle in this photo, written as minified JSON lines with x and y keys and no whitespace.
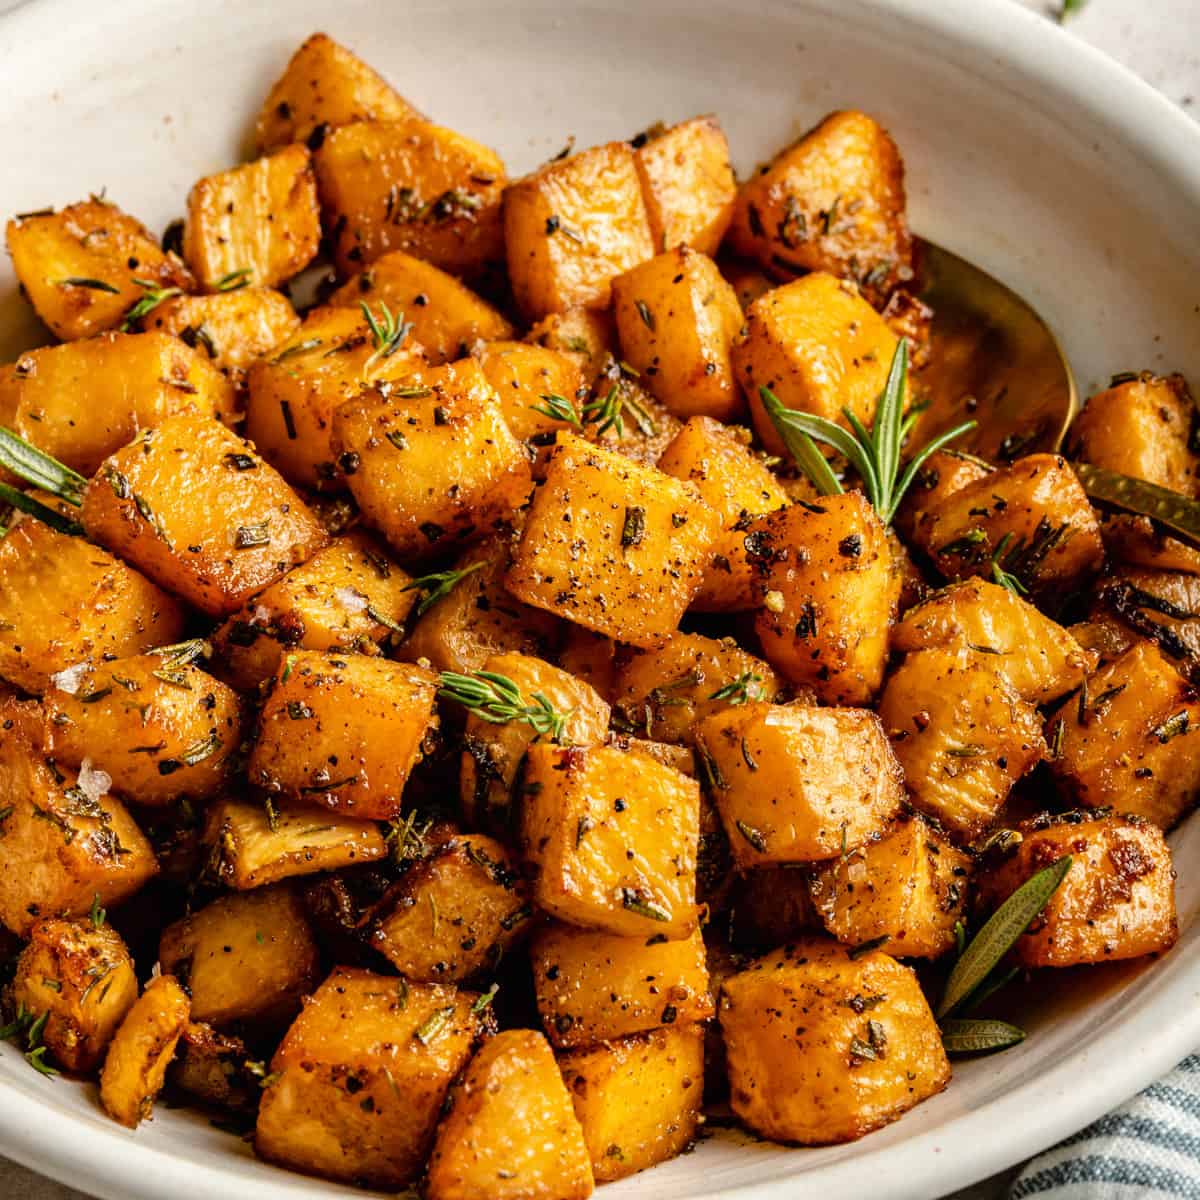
{"x":1177,"y":512}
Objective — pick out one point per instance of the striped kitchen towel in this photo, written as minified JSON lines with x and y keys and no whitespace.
{"x":1147,"y":1148}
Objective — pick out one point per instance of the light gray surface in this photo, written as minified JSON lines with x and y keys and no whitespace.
{"x":1160,"y":41}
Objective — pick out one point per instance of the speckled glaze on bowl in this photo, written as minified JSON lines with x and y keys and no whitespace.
{"x":1027,"y":152}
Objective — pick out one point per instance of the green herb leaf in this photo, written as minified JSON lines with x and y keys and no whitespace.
{"x":388,"y":329}
{"x":97,"y":913}
{"x":558,"y":408}
{"x":438,"y":585}
{"x":1006,"y":579}
{"x":745,"y":688}
{"x":964,"y":1036}
{"x":497,"y":699}
{"x":874,"y":454}
{"x":234,"y":280}
{"x":39,"y":511}
{"x":39,"y":469}
{"x":433,"y":1025}
{"x":486,"y":999}
{"x":95,"y":285}
{"x":1000,"y":934}
{"x":148,"y":303}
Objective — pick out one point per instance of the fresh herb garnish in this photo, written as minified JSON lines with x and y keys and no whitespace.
{"x":95,"y":285}
{"x":745,"y":688}
{"x":234,"y":280}
{"x":874,"y":454}
{"x":433,"y":1025}
{"x":495,"y":698}
{"x":963,"y":1035}
{"x":388,"y":329}
{"x":1006,"y":579}
{"x":96,"y":913}
{"x":999,"y":934}
{"x":154,"y":296}
{"x":558,"y":408}
{"x":609,"y":412}
{"x":438,"y":585}
{"x":485,"y":1000}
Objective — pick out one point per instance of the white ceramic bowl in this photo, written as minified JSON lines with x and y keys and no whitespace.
{"x":1027,"y":152}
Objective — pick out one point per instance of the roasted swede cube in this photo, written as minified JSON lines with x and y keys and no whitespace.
{"x":734,"y":481}
{"x":404,"y":184}
{"x":616,"y":547}
{"x":1117,"y":900}
{"x":140,"y":1052}
{"x":612,"y":837}
{"x":157,"y":725}
{"x":638,"y":1098}
{"x":826,"y":588}
{"x":594,"y":987}
{"x":687,"y":183}
{"x":533,"y":385}
{"x":323,"y":86}
{"x":795,"y":783}
{"x":819,"y":347}
{"x":962,"y":733}
{"x":344,"y":731}
{"x":834,"y":201}
{"x":572,"y":226}
{"x":826,"y":1044}
{"x":254,"y":845}
{"x":1129,"y":739}
{"x":677,"y":319}
{"x":81,"y":267}
{"x":587,"y":334}
{"x":454,"y":914}
{"x":666,"y":690}
{"x":942,"y":473}
{"x":232,"y":329}
{"x":246,"y":958}
{"x":510,"y":1132}
{"x":493,"y":754}
{"x":435,"y":463}
{"x":292,"y":396}
{"x":67,"y":844}
{"x":1033,"y":519}
{"x":349,"y":597}
{"x":1162,"y":606}
{"x":65,"y":601}
{"x":447,"y":318}
{"x":82,"y":401}
{"x":195,"y":507}
{"x":476,"y":617}
{"x":254,"y":224}
{"x":81,"y":973}
{"x":361,"y":1076}
{"x":909,"y":887}
{"x":1141,"y":426}
{"x":1036,"y":655}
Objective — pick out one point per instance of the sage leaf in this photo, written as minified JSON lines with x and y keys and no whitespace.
{"x":965,"y":1036}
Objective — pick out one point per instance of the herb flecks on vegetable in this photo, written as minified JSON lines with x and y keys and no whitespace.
{"x":746,"y":688}
{"x":495,"y":698}
{"x":874,"y":454}
{"x":387,"y":328}
{"x":558,"y":408}
{"x":154,"y":296}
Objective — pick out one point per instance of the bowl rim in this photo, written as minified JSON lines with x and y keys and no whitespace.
{"x":1122,"y":1056}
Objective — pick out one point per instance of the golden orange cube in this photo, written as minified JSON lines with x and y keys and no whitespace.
{"x":688,"y":183}
{"x":254,"y":224}
{"x":343,"y":731}
{"x":613,"y":835}
{"x":611,"y":545}
{"x":819,"y":347}
{"x":795,"y":783}
{"x":432,"y":464}
{"x":825,"y":1044}
{"x":677,"y":319}
{"x":323,"y":86}
{"x":360,"y":1078}
{"x":834,"y":201}
{"x":404,"y":184}
{"x":574,"y":225}
{"x":1116,"y":901}
{"x":80,"y":268}
{"x":197,"y":509}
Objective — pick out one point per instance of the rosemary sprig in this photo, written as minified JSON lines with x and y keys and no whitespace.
{"x":745,"y":688}
{"x":97,"y":914}
{"x":497,"y":699}
{"x":149,"y":302}
{"x":1007,"y":924}
{"x":388,"y":329}
{"x":39,"y":470}
{"x":874,"y":453}
{"x":1006,"y":579}
{"x":93,"y":285}
{"x":558,"y":408}
{"x":234,"y":281}
{"x":438,"y":585}
{"x":35,"y":508}
{"x":608,"y":412}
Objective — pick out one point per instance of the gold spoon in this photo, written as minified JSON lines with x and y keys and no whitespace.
{"x":994,"y":359}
